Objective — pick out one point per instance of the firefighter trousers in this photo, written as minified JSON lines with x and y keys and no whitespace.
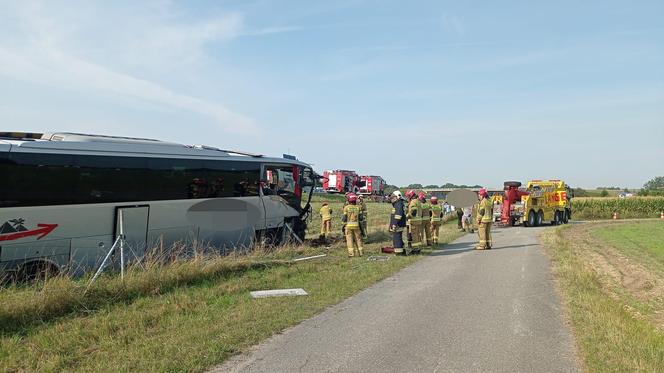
{"x":435,"y":229}
{"x":416,"y":235}
{"x":485,"y":236}
{"x":397,"y":240}
{"x":426,"y":233}
{"x":354,"y":241}
{"x":326,"y":227}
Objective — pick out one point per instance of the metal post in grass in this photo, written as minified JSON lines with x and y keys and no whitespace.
{"x":103,"y":263}
{"x":121,"y":245}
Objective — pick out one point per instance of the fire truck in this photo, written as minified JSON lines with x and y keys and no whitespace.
{"x":341,"y":181}
{"x":372,"y":185}
{"x":540,"y":201}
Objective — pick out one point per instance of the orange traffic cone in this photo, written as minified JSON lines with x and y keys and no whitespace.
{"x":615,"y":215}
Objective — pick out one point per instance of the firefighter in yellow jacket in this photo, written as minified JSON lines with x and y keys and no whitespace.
{"x":414,"y":220}
{"x":425,"y":232}
{"x":351,"y":219}
{"x":326,"y":220}
{"x":436,"y":219}
{"x":484,"y":220}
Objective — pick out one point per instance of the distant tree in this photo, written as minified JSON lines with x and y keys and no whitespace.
{"x":626,"y":190}
{"x":450,"y":185}
{"x":414,"y":186}
{"x":580,"y":192}
{"x":656,"y":183}
{"x":604,"y":193}
{"x":431,"y":186}
{"x":390,"y":188}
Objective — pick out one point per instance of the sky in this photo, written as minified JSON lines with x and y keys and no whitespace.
{"x":430,"y":92}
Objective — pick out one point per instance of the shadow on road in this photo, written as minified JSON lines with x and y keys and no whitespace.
{"x":511,"y":247}
{"x":453,"y":248}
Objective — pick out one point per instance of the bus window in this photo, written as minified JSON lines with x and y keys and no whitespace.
{"x":280,"y":180}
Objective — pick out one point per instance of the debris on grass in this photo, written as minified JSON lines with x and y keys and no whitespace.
{"x":278,"y":293}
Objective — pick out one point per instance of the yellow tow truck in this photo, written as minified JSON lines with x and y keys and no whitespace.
{"x":547,"y":200}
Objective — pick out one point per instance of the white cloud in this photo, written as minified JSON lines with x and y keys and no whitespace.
{"x":453,"y":23}
{"x":46,"y":46}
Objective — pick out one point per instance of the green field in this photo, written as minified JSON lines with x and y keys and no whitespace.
{"x":643,"y":240}
{"x":185,"y":316}
{"x":627,"y":208}
{"x":612,"y":284}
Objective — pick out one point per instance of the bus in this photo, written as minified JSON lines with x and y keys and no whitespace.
{"x":63,"y":196}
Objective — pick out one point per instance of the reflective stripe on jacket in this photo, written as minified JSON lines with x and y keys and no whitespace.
{"x":352,"y":216}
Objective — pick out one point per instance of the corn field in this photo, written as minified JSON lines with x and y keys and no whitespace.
{"x":627,"y":208}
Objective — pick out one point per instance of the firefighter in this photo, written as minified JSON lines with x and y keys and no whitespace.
{"x":363,"y":215}
{"x":326,"y":221}
{"x":397,"y":221}
{"x":436,"y":219}
{"x":351,"y":219}
{"x":425,"y":232}
{"x":414,"y":220}
{"x":484,"y":220}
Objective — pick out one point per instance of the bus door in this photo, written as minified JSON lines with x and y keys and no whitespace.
{"x":134,"y":226}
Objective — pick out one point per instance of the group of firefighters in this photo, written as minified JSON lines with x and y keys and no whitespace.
{"x":421,"y":219}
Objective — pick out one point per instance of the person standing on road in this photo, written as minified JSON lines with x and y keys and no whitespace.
{"x":351,"y":218}
{"x":326,"y":221}
{"x":397,"y":221}
{"x":425,"y":233}
{"x":414,"y":220}
{"x":459,"y":213}
{"x":484,"y":220}
{"x":436,"y":219}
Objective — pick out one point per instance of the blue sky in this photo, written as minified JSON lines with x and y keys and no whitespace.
{"x":424,"y":91}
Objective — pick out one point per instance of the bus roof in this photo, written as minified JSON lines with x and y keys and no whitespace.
{"x":86,"y":144}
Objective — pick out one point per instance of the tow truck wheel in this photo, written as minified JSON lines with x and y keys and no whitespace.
{"x":532,"y":220}
{"x":556,"y":218}
{"x":540,"y":218}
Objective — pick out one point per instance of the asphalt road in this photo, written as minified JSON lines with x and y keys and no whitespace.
{"x":458,"y":310}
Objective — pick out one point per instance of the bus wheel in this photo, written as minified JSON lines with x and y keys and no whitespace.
{"x":36,"y":271}
{"x":532,"y":220}
{"x":540,"y":218}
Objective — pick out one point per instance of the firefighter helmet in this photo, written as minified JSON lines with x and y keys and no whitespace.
{"x":351,"y":197}
{"x":410,"y":194}
{"x":397,"y":194}
{"x":483,"y":192}
{"x":422,"y":196}
{"x":434,"y":200}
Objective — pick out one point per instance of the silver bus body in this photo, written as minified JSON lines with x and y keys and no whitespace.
{"x":73,"y":234}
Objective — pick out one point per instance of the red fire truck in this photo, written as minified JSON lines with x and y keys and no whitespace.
{"x":372,"y":185}
{"x":341,"y":181}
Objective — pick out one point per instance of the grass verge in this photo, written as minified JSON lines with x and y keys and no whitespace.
{"x":183,"y":319}
{"x":615,"y":319}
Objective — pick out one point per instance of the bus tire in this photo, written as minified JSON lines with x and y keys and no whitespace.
{"x":36,"y":271}
{"x":556,"y":218}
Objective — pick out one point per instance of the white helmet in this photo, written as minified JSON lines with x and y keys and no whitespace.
{"x":397,"y":194}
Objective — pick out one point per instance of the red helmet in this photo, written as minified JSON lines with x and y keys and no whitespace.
{"x":422,"y":196}
{"x":410,"y":194}
{"x":351,"y":197}
{"x":483,"y":192}
{"x":434,"y":200}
